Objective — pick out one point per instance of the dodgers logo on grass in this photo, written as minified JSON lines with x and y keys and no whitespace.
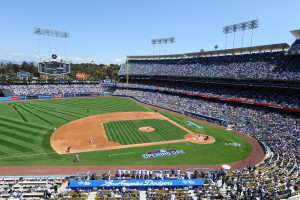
{"x":162,"y":152}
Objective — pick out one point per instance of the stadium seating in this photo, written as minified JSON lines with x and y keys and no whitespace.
{"x":277,"y":177}
{"x":123,"y":193}
{"x":274,"y":97}
{"x":295,"y":48}
{"x":34,"y":89}
{"x":268,"y":65}
{"x":30,"y":188}
{"x":280,"y":132}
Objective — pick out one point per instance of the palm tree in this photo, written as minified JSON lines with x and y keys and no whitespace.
{"x":216,"y":47}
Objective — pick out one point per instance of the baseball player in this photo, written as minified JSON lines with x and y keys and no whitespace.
{"x":68,"y":149}
{"x":76,"y":158}
{"x":92,"y":139}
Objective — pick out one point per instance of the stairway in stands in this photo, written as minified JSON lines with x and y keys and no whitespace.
{"x":7,"y":92}
{"x":143,"y":195}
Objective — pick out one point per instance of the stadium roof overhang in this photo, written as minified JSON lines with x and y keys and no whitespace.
{"x":263,"y":48}
{"x":296,"y":33}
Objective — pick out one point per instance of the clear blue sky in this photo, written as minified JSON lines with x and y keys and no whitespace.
{"x":107,"y":30}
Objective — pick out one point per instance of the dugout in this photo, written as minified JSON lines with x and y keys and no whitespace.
{"x":219,"y":121}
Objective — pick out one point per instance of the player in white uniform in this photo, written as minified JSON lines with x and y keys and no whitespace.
{"x":92,"y":139}
{"x":76,"y":158}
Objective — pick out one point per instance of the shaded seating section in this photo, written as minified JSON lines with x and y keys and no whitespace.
{"x":295,"y":48}
{"x":285,"y":98}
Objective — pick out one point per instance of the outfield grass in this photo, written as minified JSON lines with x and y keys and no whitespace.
{"x":26,"y":128}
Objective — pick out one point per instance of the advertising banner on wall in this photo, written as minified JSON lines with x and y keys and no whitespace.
{"x":44,"y":96}
{"x":107,"y":81}
{"x":57,"y":95}
{"x":134,"y":183}
{"x":15,"y":98}
{"x":23,"y":97}
{"x":80,"y":75}
{"x":94,"y":94}
{"x":5,"y":98}
{"x":23,"y":74}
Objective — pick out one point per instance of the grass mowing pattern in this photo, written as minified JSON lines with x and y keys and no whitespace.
{"x":26,"y":128}
{"x":126,"y":132}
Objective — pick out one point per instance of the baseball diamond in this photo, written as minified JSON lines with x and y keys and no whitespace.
{"x":114,"y":124}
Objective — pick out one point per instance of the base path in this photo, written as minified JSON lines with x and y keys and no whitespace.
{"x":78,"y":133}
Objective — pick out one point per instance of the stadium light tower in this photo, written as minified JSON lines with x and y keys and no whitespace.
{"x":50,"y":32}
{"x":243,"y":27}
{"x":240,"y":27}
{"x":253,"y":25}
{"x":165,"y":41}
{"x":234,"y":28}
{"x":226,"y":30}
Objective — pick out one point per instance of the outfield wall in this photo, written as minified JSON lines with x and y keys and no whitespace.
{"x":50,"y":96}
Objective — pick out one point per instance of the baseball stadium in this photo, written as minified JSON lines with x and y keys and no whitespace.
{"x":219,"y":124}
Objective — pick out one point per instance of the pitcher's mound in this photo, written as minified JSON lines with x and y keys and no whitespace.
{"x":147,"y":129}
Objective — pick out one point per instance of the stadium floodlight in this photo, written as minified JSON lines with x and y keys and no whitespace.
{"x":163,"y":40}
{"x":226,"y":30}
{"x":160,"y":41}
{"x":243,"y":27}
{"x":240,"y":27}
{"x":49,"y":32}
{"x":253,"y":25}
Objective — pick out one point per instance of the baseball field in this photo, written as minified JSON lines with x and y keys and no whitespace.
{"x":28,"y":138}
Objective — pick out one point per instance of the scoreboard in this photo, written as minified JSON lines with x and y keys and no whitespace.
{"x":54,"y":67}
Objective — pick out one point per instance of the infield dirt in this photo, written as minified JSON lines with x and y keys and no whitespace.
{"x":77,"y":134}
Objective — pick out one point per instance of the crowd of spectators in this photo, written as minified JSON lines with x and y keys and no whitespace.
{"x":30,"y":188}
{"x":124,"y":193}
{"x":253,"y":119}
{"x":295,"y":48}
{"x":34,"y":89}
{"x":269,"y":65}
{"x":154,"y":174}
{"x":283,"y":98}
{"x":280,"y":131}
{"x":171,"y":193}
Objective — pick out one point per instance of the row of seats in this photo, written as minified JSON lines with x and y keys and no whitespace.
{"x":267,"y":65}
{"x":29,"y":187}
{"x":123,"y":193}
{"x":274,"y":97}
{"x":34,"y":89}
